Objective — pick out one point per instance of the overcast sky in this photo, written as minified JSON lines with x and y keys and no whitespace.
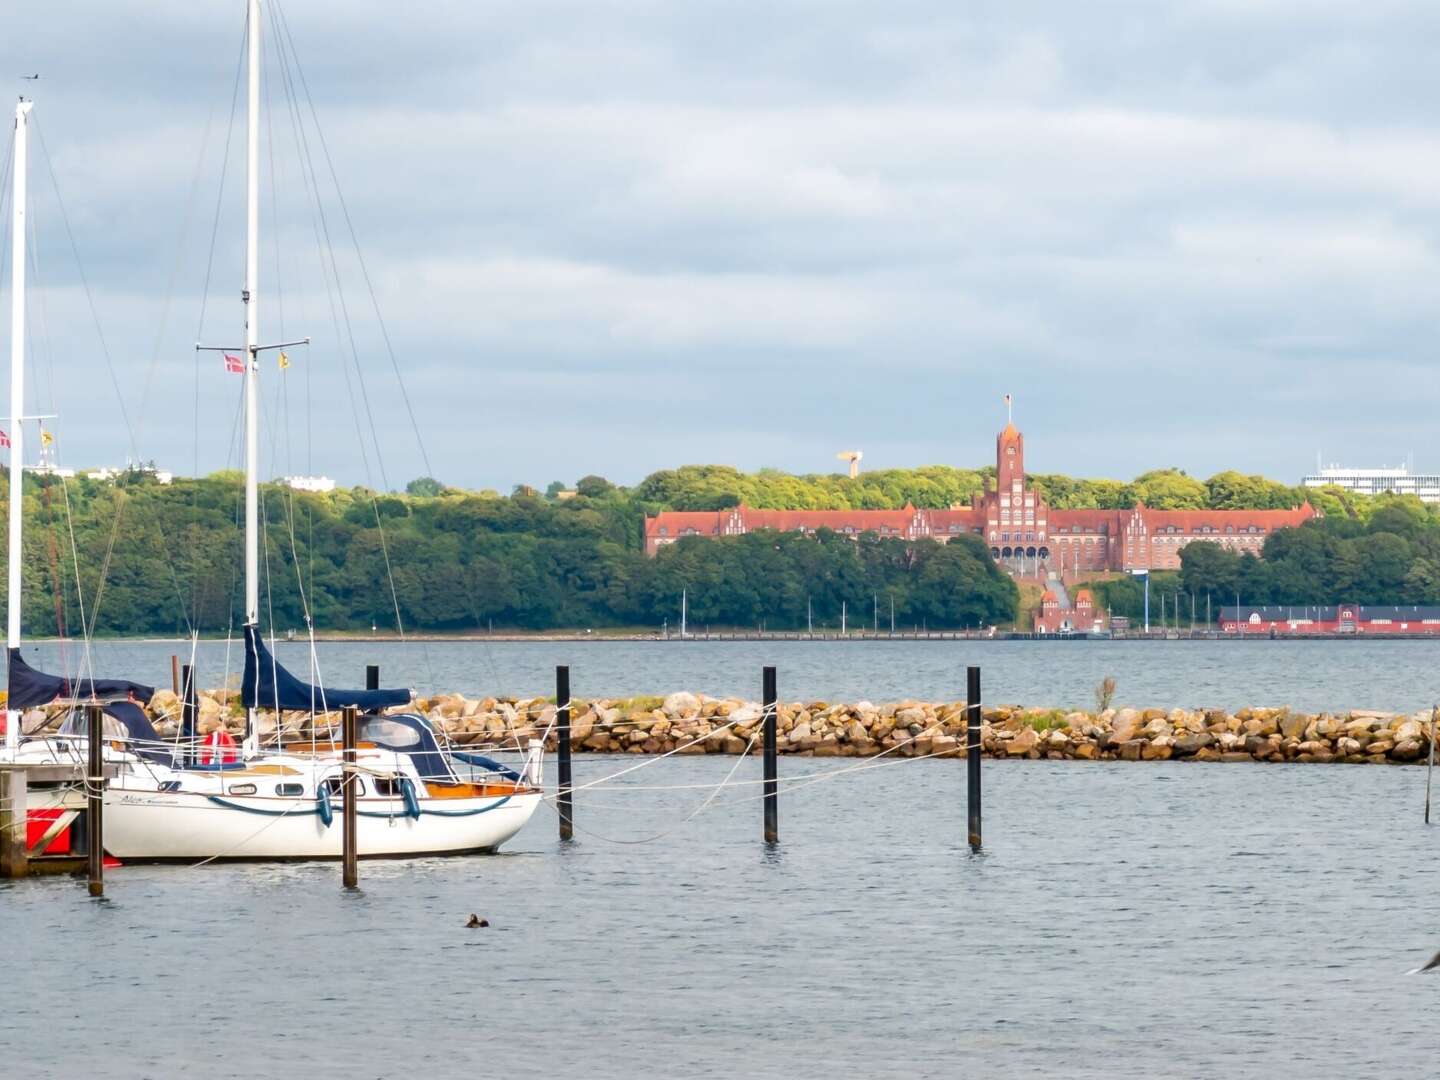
{"x":613,"y":237}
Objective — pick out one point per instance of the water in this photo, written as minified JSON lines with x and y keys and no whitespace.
{"x":1306,"y":675}
{"x":1126,"y":920}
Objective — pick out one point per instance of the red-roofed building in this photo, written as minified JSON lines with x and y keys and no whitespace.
{"x":1024,"y":534}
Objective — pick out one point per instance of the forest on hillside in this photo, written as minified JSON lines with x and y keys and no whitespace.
{"x":138,"y":557}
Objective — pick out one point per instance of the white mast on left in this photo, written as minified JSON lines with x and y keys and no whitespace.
{"x":17,"y":394}
{"x":252,"y":321}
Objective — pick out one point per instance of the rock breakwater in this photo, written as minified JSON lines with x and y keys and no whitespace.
{"x":695,"y":724}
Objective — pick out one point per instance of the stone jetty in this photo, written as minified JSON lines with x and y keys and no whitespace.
{"x":695,"y":724}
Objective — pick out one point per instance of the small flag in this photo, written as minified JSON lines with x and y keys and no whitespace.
{"x":46,"y":438}
{"x":234,"y":364}
{"x":284,"y":361}
{"x":4,"y":440}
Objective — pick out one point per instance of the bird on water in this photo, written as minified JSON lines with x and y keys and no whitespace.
{"x":476,"y":921}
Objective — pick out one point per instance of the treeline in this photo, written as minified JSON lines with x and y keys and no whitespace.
{"x":716,"y":487}
{"x":163,"y":559}
{"x":156,"y":559}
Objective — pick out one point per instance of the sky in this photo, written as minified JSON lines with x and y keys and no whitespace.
{"x":615,"y":237}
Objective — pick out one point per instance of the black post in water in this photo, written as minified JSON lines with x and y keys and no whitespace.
{"x":372,"y":676}
{"x":565,"y":802}
{"x":189,"y":714}
{"x":95,"y":799}
{"x":772,"y":782}
{"x":349,"y":851}
{"x":972,"y":752}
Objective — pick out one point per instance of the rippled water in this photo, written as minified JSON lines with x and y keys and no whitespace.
{"x":1308,"y":675}
{"x":1125,"y":920}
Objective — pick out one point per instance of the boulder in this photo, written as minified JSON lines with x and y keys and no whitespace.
{"x":1127,"y":723}
{"x":681,"y":704}
{"x":1024,"y":741}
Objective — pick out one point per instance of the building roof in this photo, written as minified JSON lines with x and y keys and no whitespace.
{"x":1190,"y":520}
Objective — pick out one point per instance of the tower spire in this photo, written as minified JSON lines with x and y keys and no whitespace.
{"x":1009,"y":409}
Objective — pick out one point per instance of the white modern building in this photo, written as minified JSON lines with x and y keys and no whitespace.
{"x":309,"y":483}
{"x":1398,"y":480}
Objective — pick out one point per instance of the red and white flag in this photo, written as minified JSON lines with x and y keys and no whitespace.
{"x":234,"y":364}
{"x":4,"y":439}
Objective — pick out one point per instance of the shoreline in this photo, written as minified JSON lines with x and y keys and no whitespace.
{"x":778,"y":637}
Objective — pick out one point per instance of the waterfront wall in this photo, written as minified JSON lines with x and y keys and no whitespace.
{"x":695,"y":724}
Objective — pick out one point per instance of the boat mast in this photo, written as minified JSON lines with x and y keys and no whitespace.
{"x":252,"y":366}
{"x":17,"y":394}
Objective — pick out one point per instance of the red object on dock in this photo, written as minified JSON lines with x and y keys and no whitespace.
{"x":39,"y":822}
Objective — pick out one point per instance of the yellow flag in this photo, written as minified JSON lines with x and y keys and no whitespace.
{"x":46,"y":438}
{"x":284,"y":361}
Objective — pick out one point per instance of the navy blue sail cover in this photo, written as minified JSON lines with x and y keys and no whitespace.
{"x":269,"y":686}
{"x":29,"y":688}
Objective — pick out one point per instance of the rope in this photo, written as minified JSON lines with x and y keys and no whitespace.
{"x":739,"y":760}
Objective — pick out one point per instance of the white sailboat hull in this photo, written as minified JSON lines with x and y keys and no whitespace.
{"x":146,"y":825}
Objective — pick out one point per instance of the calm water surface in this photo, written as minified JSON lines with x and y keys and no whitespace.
{"x":1313,"y":675}
{"x":1125,"y":921}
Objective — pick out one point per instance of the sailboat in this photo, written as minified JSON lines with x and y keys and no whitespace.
{"x":173,"y":800}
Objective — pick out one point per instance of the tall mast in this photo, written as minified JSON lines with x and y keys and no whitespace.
{"x":251,"y":299}
{"x":17,"y":394}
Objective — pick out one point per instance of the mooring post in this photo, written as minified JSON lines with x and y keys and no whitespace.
{"x":372,"y":676}
{"x":972,"y":752}
{"x":565,"y":800}
{"x":14,"y":823}
{"x":349,"y":849}
{"x":189,"y":714}
{"x":95,"y":799}
{"x":175,"y":673}
{"x":772,"y":782}
{"x":1430,"y":764}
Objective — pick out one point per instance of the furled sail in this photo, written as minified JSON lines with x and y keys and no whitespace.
{"x":29,"y":688}
{"x":269,"y":686}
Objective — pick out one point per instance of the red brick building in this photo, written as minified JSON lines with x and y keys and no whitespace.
{"x":1024,"y":534}
{"x":1079,"y":617}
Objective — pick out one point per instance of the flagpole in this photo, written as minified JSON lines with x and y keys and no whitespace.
{"x":252,"y":320}
{"x":17,"y":397}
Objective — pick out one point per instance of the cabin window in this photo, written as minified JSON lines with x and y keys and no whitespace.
{"x":333,"y":785}
{"x":240,"y":789}
{"x":387,"y":785}
{"x":289,"y":789}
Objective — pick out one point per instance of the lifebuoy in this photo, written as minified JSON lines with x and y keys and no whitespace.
{"x":218,"y":748}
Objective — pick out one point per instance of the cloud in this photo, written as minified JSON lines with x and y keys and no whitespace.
{"x":746,"y":232}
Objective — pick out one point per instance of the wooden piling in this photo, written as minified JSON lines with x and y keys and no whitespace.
{"x":972,"y":753}
{"x":175,"y":673}
{"x":349,"y":849}
{"x":565,"y":799}
{"x":772,"y":781}
{"x":1430,"y":762}
{"x":372,"y":676}
{"x":14,"y":796}
{"x":95,"y":799}
{"x":189,"y":714}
